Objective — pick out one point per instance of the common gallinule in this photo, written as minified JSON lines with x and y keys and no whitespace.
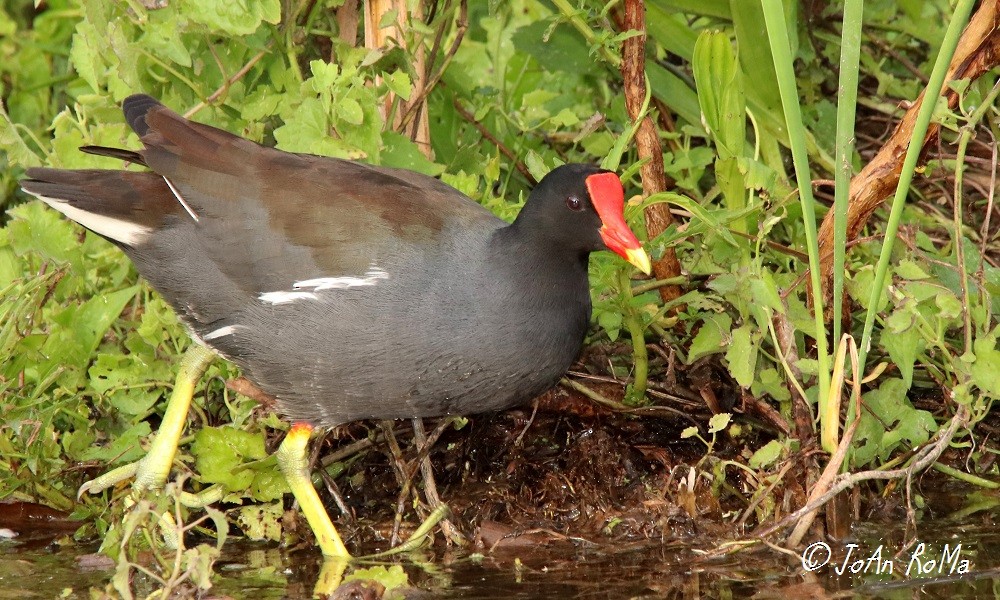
{"x":347,"y":291}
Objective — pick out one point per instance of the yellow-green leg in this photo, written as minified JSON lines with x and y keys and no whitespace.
{"x":292,"y":461}
{"x":151,"y":471}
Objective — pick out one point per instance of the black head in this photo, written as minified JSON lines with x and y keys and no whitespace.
{"x":577,"y":209}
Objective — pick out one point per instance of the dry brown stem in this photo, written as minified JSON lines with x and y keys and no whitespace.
{"x":375,"y":37}
{"x":978,"y":51}
{"x":647,"y":141}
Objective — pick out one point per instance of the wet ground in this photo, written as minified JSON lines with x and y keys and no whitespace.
{"x":574,"y":570}
{"x":575,"y":501}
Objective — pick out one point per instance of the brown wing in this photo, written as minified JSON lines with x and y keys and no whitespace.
{"x":294,"y":216}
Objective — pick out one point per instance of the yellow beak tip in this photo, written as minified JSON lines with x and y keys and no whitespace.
{"x":639,"y":259}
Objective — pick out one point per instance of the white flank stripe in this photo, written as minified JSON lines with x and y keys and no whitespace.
{"x":181,"y":200}
{"x":126,"y":232}
{"x":222,"y":331}
{"x":286,"y":297}
{"x":371,"y":277}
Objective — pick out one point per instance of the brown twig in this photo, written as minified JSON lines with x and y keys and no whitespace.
{"x":424,"y":444}
{"x":647,"y":141}
{"x":833,"y":466}
{"x":225,"y":86}
{"x":907,"y":64}
{"x":461,"y":26}
{"x":242,"y":385}
{"x":471,"y":118}
{"x":927,"y":455}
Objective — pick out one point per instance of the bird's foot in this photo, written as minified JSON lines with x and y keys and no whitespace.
{"x":109,"y":479}
{"x":150,"y":472}
{"x":417,"y":539}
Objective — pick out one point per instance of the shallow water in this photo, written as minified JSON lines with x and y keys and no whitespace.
{"x":34,"y":569}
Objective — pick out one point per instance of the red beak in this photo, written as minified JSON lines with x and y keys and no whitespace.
{"x":608,"y":197}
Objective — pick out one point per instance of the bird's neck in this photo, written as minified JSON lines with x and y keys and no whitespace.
{"x":536,"y":254}
{"x":546,"y":277}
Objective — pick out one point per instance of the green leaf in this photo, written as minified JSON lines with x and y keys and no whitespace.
{"x":949,"y":306}
{"x":907,"y":269}
{"x":903,"y":345}
{"x":350,"y":111}
{"x":705,"y":217}
{"x":742,"y":356}
{"x":399,"y":83}
{"x":401,"y":153}
{"x":162,"y":37}
{"x":860,"y":289}
{"x":756,"y":61}
{"x":720,"y":92}
{"x":674,"y":91}
{"x":120,"y":374}
{"x":86,"y":324}
{"x":767,"y":455}
{"x":536,"y":165}
{"x":565,"y":118}
{"x":220,"y":453}
{"x":986,"y":370}
{"x":559,"y":50}
{"x":719,"y":422}
{"x":611,"y":322}
{"x":235,"y":17}
{"x":711,"y":338}
{"x":707,"y":8}
{"x":390,"y":578}
{"x":467,"y":183}
{"x":324,"y":75}
{"x":124,"y":448}
{"x":671,"y":30}
{"x":769,"y":382}
{"x":765,"y":292}
{"x":97,"y":314}
{"x":388,"y":19}
{"x":537,"y":98}
{"x":38,"y":228}
{"x":17,"y":150}
{"x":261,"y":521}
{"x":890,"y":421}
{"x":85,"y":54}
{"x":268,"y":483}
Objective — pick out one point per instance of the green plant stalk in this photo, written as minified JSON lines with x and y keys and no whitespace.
{"x":974,"y":120}
{"x":656,"y":284}
{"x":850,"y":55}
{"x":968,"y":130}
{"x":963,"y":279}
{"x":966,"y":477}
{"x":13,"y":127}
{"x":783,"y":360}
{"x":170,"y":69}
{"x":932,"y":92}
{"x":573,"y":15}
{"x":777,"y":35}
{"x":640,"y":356}
{"x":847,"y":102}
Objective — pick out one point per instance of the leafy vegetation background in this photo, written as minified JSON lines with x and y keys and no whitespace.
{"x":88,"y":350}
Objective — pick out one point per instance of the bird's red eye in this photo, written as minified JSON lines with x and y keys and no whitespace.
{"x":574,"y":203}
